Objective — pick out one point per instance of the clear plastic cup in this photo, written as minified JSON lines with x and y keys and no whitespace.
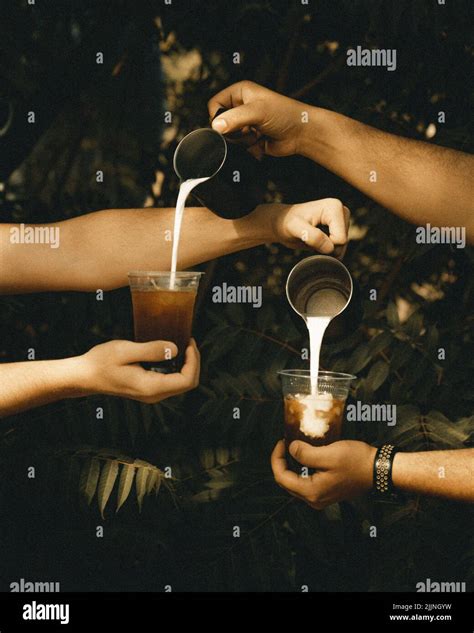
{"x":314,"y":418}
{"x":163,"y":309}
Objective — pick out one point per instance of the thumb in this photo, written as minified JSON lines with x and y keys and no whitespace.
{"x":248,"y":114}
{"x":308,"y":455}
{"x":153,"y":350}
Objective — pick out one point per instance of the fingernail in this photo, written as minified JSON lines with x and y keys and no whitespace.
{"x":220,"y":125}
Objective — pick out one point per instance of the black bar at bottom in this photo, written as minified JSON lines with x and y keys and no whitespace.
{"x":236,"y":613}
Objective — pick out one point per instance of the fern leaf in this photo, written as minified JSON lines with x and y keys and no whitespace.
{"x":158,"y":485}
{"x":140,"y":482}
{"x":222,"y":455}
{"x":377,"y":375}
{"x":207,"y":458}
{"x":154,"y":479}
{"x":206,"y":496}
{"x":106,"y":484}
{"x":89,"y":477}
{"x":125,"y":484}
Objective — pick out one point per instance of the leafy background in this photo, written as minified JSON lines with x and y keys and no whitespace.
{"x":105,"y":461}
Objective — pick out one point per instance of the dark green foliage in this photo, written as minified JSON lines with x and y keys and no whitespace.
{"x":217,"y":440}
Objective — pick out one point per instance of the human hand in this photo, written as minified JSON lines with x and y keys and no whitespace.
{"x":113,"y":368}
{"x":344,"y":470}
{"x":295,"y":225}
{"x":269,"y":122}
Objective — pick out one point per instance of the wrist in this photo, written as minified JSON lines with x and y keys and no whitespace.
{"x":75,"y":377}
{"x":399,"y":467}
{"x":368,"y":474}
{"x":259,"y":226}
{"x":315,"y":135}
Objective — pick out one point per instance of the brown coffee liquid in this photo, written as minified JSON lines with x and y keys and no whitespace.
{"x":294,"y":413}
{"x":164,"y":315}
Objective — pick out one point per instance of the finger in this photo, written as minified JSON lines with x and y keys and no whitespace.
{"x":300,"y":486}
{"x":153,"y":350}
{"x":229,"y":97}
{"x":188,"y":377}
{"x":257,"y":150}
{"x":310,"y":235}
{"x":192,"y":361}
{"x":334,"y":217}
{"x":279,"y":451}
{"x":250,"y":114}
{"x":347,"y":216}
{"x":341,"y":249}
{"x":161,"y":386}
{"x":247,"y":139}
{"x":277,"y":459}
{"x":314,"y":457}
{"x":278,"y":463}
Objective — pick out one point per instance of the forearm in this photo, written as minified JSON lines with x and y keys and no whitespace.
{"x":447,"y":474}
{"x":32,"y":384}
{"x":99,"y":249}
{"x":421,"y":182}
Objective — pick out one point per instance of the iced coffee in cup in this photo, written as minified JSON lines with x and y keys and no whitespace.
{"x":163,"y":309}
{"x":314,"y":415}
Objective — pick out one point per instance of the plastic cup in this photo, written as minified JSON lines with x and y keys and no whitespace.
{"x":162,"y":312}
{"x":315,"y":418}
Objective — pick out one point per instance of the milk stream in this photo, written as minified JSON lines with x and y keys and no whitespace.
{"x":184,"y":190}
{"x":316,"y":327}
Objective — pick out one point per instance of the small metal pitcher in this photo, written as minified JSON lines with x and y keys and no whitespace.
{"x":321,"y":285}
{"x":236,"y":182}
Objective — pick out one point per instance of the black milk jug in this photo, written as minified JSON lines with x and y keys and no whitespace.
{"x":236,"y":182}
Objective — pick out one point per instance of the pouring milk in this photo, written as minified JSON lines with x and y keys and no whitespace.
{"x":185,"y":189}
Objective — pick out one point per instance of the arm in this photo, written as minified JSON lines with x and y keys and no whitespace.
{"x":99,"y":249}
{"x":447,"y":474}
{"x":110,"y":368}
{"x":419,"y":181}
{"x":33,"y":384}
{"x":345,"y":470}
